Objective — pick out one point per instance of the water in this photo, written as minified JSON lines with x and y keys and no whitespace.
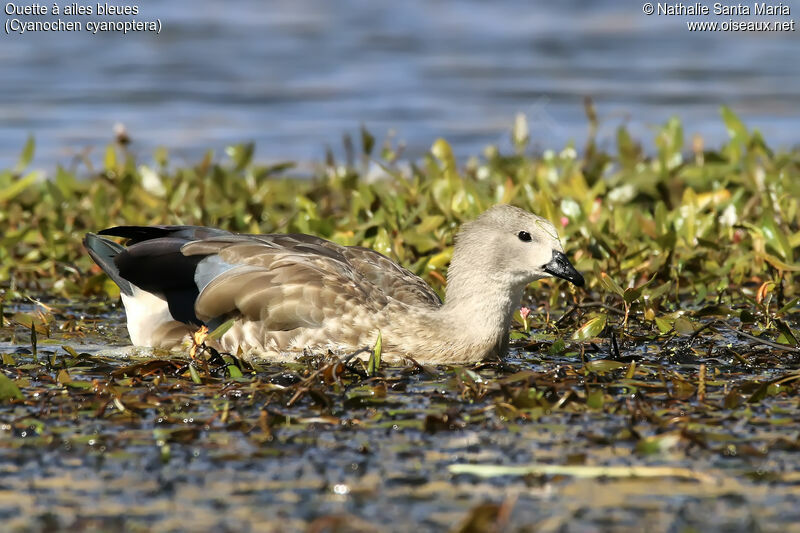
{"x":294,"y":76}
{"x":103,"y":443}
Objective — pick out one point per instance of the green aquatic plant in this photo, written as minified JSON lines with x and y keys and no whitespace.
{"x":677,"y":363}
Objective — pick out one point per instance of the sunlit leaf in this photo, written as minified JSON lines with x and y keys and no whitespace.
{"x":684,"y":326}
{"x":26,"y":156}
{"x":233,"y":370}
{"x":29,"y":321}
{"x":8,"y":389}
{"x":780,"y":265}
{"x":632,"y":294}
{"x":789,"y":306}
{"x":110,"y":159}
{"x":603,"y":365}
{"x":591,"y":329}
{"x":657,"y":443}
{"x":70,"y":350}
{"x":374,"y":363}
{"x":195,"y":375}
{"x":608,"y":283}
{"x":241,"y":154}
{"x":63,"y":376}
{"x":18,"y":186}
{"x":595,"y":399}
{"x":787,"y":335}
{"x":736,"y":128}
{"x":582,"y":471}
{"x":382,"y":242}
{"x":220,"y":330}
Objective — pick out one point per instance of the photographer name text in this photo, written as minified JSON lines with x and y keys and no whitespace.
{"x":759,"y":9}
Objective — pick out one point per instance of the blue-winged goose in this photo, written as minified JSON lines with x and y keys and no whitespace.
{"x":290,"y":293}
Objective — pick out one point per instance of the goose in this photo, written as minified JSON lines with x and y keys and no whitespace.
{"x":291,"y":293}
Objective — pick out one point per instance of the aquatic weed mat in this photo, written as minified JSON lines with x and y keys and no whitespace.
{"x":663,"y":395}
{"x":676,"y":431}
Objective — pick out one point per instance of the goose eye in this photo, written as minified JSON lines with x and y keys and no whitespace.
{"x":524,"y":236}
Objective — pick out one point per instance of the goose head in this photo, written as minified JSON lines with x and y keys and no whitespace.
{"x":510,"y":247}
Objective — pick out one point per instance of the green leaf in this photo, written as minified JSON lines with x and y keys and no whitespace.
{"x":631,"y":295}
{"x":582,"y":471}
{"x":684,"y":326}
{"x":26,"y":156}
{"x":733,"y":399}
{"x":31,"y":322}
{"x":367,"y":141}
{"x":601,"y":366}
{"x":590,"y":329}
{"x":70,"y":350}
{"x":664,"y":325}
{"x":110,"y":159}
{"x":658,"y":443}
{"x":195,"y":375}
{"x":233,"y":370}
{"x":788,"y":336}
{"x":595,"y":399}
{"x":557,"y":347}
{"x":776,"y":237}
{"x":777,"y":263}
{"x":63,"y":376}
{"x":9,"y":389}
{"x":789,"y":306}
{"x":241,"y":154}
{"x":430,"y":223}
{"x":608,"y":283}
{"x":628,"y":150}
{"x":382,"y":242}
{"x":374,"y":363}
{"x":18,"y":186}
{"x":444,"y":153}
{"x":670,"y":143}
{"x":760,"y":393}
{"x":220,"y":330}
{"x":737,"y":131}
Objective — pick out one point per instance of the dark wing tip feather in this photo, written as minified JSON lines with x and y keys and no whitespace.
{"x":137,"y":234}
{"x":103,"y":252}
{"x":151,"y":261}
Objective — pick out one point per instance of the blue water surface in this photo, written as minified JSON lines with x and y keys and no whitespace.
{"x":294,"y":75}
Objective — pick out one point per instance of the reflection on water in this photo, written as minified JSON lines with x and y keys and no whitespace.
{"x":294,"y":75}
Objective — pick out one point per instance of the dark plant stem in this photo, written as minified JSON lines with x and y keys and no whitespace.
{"x":33,"y":343}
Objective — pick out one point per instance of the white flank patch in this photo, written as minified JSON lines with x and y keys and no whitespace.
{"x":146,"y":312}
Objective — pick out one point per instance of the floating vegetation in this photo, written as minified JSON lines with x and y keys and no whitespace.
{"x":665,"y":392}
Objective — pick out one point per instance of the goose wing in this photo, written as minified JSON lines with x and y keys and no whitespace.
{"x":285,"y":281}
{"x":394,"y":280}
{"x":282,"y":281}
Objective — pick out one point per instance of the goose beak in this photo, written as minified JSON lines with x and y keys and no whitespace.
{"x":560,"y":267}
